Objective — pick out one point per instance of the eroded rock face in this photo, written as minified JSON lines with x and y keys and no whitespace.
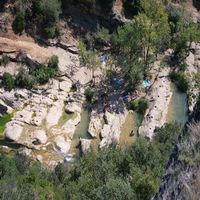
{"x":192,"y":69}
{"x":13,"y":131}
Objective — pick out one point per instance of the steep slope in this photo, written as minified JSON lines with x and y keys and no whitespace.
{"x":181,"y":180}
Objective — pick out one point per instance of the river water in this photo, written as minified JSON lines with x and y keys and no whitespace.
{"x":177,"y":111}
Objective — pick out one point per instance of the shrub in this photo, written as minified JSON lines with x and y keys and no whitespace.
{"x":139,"y":106}
{"x":24,"y":80}
{"x":19,"y":22}
{"x":4,"y":60}
{"x":8,"y":81}
{"x":53,"y":62}
{"x":89,"y":93}
{"x":102,"y":35}
{"x":181,"y":81}
{"x":43,"y":74}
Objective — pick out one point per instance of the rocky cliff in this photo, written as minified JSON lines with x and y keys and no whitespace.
{"x":181,"y":180}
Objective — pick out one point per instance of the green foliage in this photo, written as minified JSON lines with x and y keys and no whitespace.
{"x":4,"y":60}
{"x":180,"y":80}
{"x":8,"y":81}
{"x":19,"y":22}
{"x":115,"y":174}
{"x":135,"y":43}
{"x":102,"y":35}
{"x":46,"y":13}
{"x":24,"y":179}
{"x":3,"y":121}
{"x":43,"y":73}
{"x":53,"y":62}
{"x":139,"y":106}
{"x":24,"y":80}
{"x":89,"y":93}
{"x":109,"y":174}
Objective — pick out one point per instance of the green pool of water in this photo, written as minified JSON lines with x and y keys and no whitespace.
{"x":177,"y":111}
{"x":81,"y":132}
{"x":131,"y":125}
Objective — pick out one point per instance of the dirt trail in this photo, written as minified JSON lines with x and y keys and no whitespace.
{"x":37,"y":52}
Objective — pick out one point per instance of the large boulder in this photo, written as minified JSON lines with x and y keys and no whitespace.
{"x":54,"y":114}
{"x":39,"y":136}
{"x":83,"y":75}
{"x":66,"y":85}
{"x":95,"y":124}
{"x":73,"y":107}
{"x":70,"y":126}
{"x":62,"y":145}
{"x":13,"y":131}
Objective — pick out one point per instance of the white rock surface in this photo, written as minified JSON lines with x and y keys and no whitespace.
{"x":70,"y":126}
{"x":13,"y":131}
{"x":83,"y":75}
{"x":40,"y":136}
{"x":62,"y":145}
{"x":54,"y":114}
{"x":73,"y":107}
{"x":156,"y":114}
{"x":112,"y":129}
{"x":95,"y":124}
{"x":85,"y":145}
{"x":66,"y":85}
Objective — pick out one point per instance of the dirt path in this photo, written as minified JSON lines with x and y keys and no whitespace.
{"x":37,"y":52}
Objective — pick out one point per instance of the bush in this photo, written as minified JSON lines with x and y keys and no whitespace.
{"x":102,"y":35}
{"x":181,"y":81}
{"x":4,"y":60}
{"x":19,"y":22}
{"x":139,"y":106}
{"x":89,"y":93}
{"x":43,"y":74}
{"x":8,"y":81}
{"x":53,"y":62}
{"x":24,"y":80}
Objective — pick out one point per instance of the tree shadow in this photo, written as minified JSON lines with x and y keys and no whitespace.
{"x":196,"y":4}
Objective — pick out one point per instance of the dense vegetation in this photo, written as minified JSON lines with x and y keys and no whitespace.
{"x":134,"y":173}
{"x":26,"y":79}
{"x":38,"y":16}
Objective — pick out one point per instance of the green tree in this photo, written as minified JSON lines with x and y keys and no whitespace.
{"x":46,"y":16}
{"x":8,"y":81}
{"x":19,"y":22}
